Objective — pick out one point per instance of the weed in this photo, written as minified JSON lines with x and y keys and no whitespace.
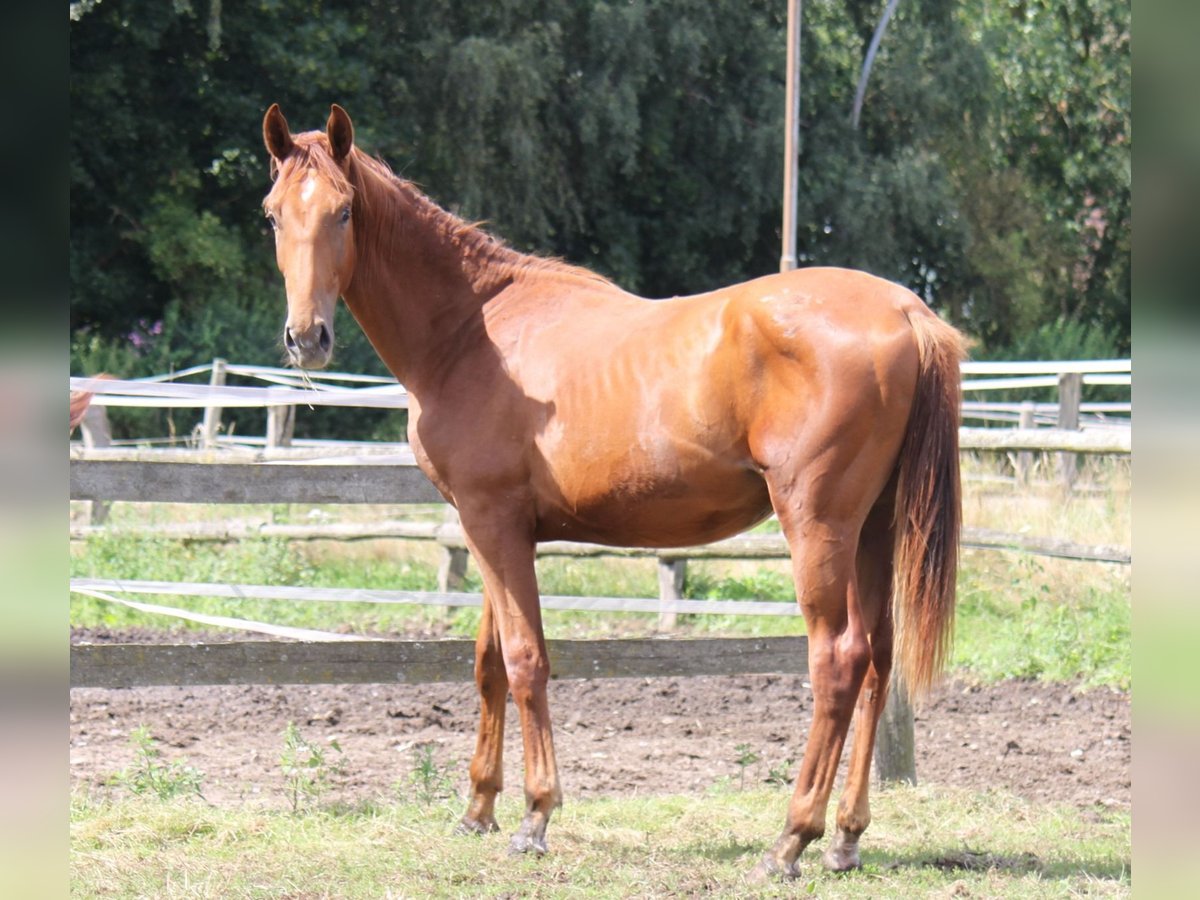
{"x":781,"y":775}
{"x":429,"y":779}
{"x":307,"y":769}
{"x":149,"y":774}
{"x":746,"y":757}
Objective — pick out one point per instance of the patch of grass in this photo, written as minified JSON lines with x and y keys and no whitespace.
{"x":923,"y":842}
{"x":1022,"y":617}
{"x":1097,"y":512}
{"x":762,"y":581}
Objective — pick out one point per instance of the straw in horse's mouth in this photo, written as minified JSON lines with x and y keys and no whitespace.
{"x":308,"y":384}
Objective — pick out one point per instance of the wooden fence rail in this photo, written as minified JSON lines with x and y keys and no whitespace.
{"x":296,"y":477}
{"x":419,"y":662}
{"x":770,"y":546}
{"x":379,"y":479}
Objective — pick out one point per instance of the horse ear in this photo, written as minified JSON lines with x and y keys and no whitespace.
{"x":340,"y":131}
{"x":276,"y":135}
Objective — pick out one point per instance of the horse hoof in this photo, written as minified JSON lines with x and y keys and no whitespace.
{"x":468,"y":825}
{"x":770,"y":868}
{"x":524,"y":843}
{"x":841,"y":858}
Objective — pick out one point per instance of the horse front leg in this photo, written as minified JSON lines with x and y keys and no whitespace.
{"x":487,"y":765}
{"x":504,"y":553}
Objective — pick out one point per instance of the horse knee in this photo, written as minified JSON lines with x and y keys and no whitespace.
{"x":528,"y":671}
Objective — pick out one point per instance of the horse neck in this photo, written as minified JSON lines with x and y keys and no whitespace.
{"x":422,"y":275}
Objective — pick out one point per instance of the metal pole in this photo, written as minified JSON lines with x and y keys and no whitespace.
{"x":861,"y":91}
{"x":791,"y":140}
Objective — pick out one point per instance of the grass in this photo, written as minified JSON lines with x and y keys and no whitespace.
{"x":1025,"y":617}
{"x":921,"y":843}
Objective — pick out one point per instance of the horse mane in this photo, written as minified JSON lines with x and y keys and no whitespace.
{"x":388,"y":206}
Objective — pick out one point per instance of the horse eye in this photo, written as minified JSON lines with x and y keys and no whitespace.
{"x":345,"y":215}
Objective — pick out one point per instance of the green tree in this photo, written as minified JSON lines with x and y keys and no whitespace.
{"x":1061,"y":119}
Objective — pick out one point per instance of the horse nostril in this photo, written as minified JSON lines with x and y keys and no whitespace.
{"x":289,"y":341}
{"x":325,"y":341}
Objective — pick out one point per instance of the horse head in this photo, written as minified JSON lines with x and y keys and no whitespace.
{"x":310,"y":209}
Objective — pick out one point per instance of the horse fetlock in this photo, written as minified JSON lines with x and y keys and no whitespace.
{"x":853,"y":817}
{"x":543,"y":796}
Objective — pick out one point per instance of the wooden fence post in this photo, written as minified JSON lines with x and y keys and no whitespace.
{"x":212,"y":414}
{"x":452,"y":570}
{"x":895,"y":744}
{"x":1024,"y":458}
{"x":1070,"y":394}
{"x":95,"y":432}
{"x":281,"y":425}
{"x":672,"y":574}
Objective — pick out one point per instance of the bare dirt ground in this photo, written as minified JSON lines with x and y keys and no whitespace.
{"x":1045,"y":742}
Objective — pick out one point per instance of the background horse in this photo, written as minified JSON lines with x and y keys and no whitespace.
{"x":81,"y":402}
{"x":547,"y":404}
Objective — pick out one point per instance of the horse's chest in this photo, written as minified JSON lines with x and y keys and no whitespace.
{"x":434,"y":470}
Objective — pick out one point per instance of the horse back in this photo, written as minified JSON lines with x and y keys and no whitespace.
{"x":656,"y":419}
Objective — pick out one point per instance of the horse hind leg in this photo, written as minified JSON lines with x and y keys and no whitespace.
{"x":823,"y":552}
{"x":487,"y":765}
{"x":874,"y":568}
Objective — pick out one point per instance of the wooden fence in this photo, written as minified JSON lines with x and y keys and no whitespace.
{"x":276,"y":662}
{"x":285,"y":476}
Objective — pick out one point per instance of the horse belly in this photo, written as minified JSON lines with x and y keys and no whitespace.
{"x":652,"y":509}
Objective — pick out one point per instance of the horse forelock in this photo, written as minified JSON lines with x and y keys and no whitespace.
{"x":310,"y":156}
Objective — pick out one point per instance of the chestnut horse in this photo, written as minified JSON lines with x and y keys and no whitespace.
{"x":547,"y":404}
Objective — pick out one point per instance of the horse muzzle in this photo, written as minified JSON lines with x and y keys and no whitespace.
{"x":311,"y":347}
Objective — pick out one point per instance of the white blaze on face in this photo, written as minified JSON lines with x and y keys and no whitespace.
{"x":306,"y":190}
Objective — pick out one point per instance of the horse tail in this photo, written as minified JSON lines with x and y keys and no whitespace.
{"x":928,"y":509}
